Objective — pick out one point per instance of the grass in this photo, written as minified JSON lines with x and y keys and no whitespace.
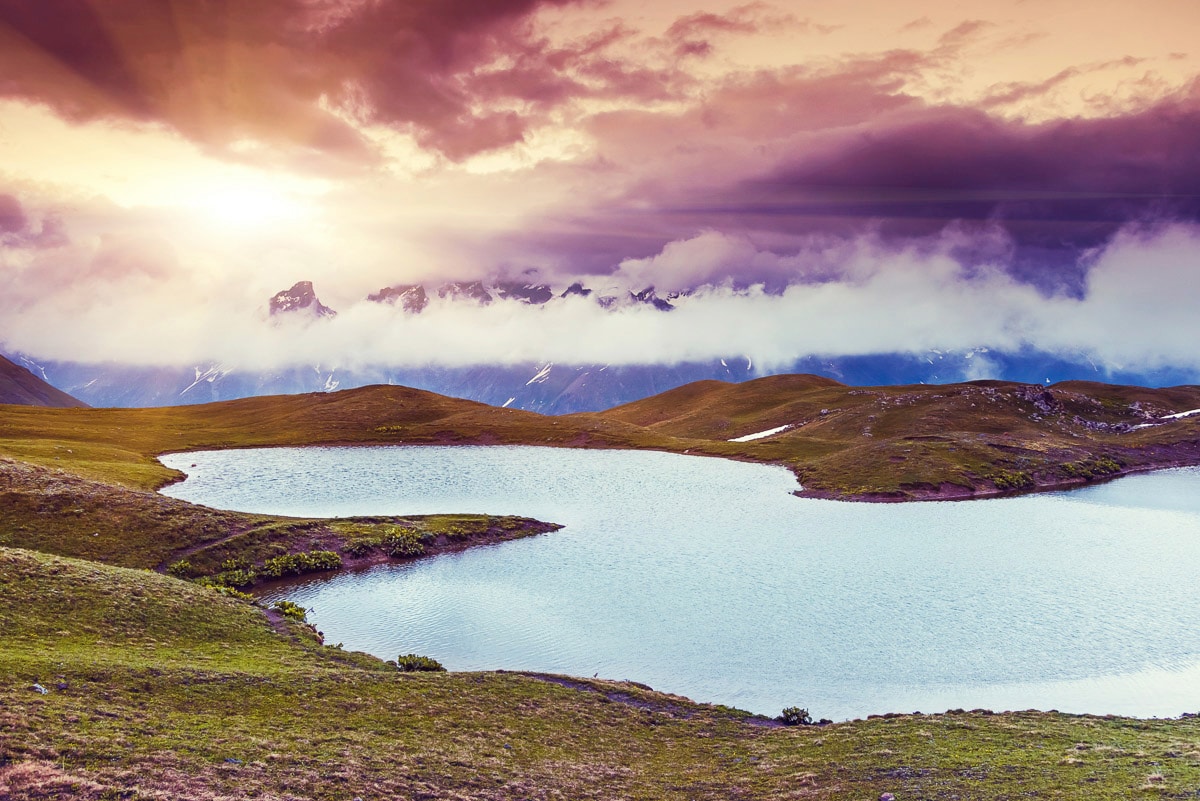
{"x":158,"y":688}
{"x":161,"y":688}
{"x":54,"y":511}
{"x":908,"y":442}
{"x":914,"y":442}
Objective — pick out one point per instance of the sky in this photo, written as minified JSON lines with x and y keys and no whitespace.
{"x":815,"y":178}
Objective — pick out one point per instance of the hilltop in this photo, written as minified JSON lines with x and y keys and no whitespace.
{"x":20,"y":386}
{"x":948,"y":441}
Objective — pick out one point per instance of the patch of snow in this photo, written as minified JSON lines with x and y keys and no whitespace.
{"x":1178,"y":415}
{"x":33,"y":366}
{"x":542,"y":375}
{"x":749,"y":363}
{"x":331,"y":383}
{"x":505,"y":405}
{"x":761,"y":434}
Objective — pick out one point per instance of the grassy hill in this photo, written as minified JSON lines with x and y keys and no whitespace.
{"x":872,"y":443}
{"x":19,"y":386}
{"x":938,"y":441}
{"x":160,"y":688}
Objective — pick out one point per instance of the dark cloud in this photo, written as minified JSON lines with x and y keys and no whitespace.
{"x":1076,"y":176}
{"x":223,"y":70}
{"x":786,"y":156}
{"x":12,"y":215}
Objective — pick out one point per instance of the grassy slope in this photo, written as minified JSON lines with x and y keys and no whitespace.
{"x":161,"y":689}
{"x":119,"y":445}
{"x":907,"y":442}
{"x":164,"y":680}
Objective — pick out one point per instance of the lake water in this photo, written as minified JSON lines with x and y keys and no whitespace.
{"x":707,"y":578}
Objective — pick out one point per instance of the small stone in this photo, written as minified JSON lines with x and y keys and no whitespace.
{"x":887,"y":797}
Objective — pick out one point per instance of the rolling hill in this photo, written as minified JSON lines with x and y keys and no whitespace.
{"x":126,"y":683}
{"x":867,"y":443}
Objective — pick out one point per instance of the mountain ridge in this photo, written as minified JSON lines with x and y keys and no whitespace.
{"x":19,"y":386}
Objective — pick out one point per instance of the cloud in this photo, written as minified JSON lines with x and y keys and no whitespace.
{"x":1137,"y":310}
{"x":288,"y":72}
{"x":784,"y":156}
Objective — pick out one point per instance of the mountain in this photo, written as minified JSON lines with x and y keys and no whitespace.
{"x":410,"y":297}
{"x":300,"y":299}
{"x":21,"y":387}
{"x":547,"y":388}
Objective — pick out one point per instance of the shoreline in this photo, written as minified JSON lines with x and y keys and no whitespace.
{"x":958,"y":493}
{"x":946,"y":491}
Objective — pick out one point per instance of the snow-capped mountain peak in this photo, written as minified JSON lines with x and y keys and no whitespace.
{"x":300,"y":298}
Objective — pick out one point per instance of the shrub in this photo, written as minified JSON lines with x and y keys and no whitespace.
{"x":181,"y":569}
{"x":234,"y":578}
{"x":795,"y":716}
{"x":296,"y":564}
{"x":402,"y":542}
{"x":359,"y":547}
{"x":413,"y":662}
{"x":232,"y":593}
{"x":290,"y":610}
{"x":1017,"y":479}
{"x":237,"y":563}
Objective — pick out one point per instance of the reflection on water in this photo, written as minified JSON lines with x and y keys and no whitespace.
{"x":705,"y":577}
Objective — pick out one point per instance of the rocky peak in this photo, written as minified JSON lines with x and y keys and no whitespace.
{"x":576,"y":289}
{"x":534,"y":294}
{"x":649,"y":296}
{"x":410,"y":297}
{"x":300,"y":298}
{"x":465,"y":290}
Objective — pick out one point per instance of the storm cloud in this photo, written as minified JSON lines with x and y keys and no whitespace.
{"x":805,"y":184}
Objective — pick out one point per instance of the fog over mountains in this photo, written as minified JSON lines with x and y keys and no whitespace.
{"x":551,"y":387}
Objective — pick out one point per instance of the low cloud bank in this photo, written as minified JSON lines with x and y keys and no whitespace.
{"x":133,"y":302}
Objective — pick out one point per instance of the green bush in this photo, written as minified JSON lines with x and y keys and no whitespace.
{"x":181,"y":569}
{"x":400,"y":542}
{"x":413,"y":662}
{"x":1018,"y":479}
{"x":296,"y":564}
{"x":290,"y":610}
{"x":795,"y":716}
{"x":234,"y":578}
{"x":359,"y":547}
{"x":237,"y":563}
{"x":232,"y":593}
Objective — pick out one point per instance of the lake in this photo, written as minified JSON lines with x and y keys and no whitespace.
{"x":708,"y":578}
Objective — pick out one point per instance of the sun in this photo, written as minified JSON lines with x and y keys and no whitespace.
{"x":246,"y":202}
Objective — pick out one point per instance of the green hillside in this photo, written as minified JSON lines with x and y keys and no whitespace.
{"x":161,"y":688}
